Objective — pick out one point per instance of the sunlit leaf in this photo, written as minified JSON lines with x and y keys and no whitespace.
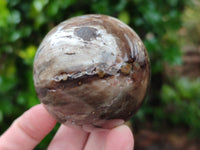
{"x":4,"y":13}
{"x":28,"y":54}
{"x":124,"y":17}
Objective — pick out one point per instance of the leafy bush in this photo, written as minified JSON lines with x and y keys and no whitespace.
{"x":182,"y":102}
{"x":179,"y":105}
{"x":23,"y":24}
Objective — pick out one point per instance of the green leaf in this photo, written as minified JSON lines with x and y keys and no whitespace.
{"x":168,"y":94}
{"x":14,"y":17}
{"x":39,"y":4}
{"x":28,"y":54}
{"x":4,"y":15}
{"x":121,"y":5}
{"x":124,"y":17}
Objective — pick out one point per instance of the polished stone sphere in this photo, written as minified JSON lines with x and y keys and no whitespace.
{"x":92,"y":71}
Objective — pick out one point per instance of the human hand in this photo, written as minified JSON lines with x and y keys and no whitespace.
{"x":30,"y":128}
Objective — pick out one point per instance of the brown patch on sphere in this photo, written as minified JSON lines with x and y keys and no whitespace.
{"x":86,"y":33}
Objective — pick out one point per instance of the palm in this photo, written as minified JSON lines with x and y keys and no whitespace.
{"x":29,"y":129}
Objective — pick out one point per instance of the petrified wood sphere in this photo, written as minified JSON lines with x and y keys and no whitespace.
{"x":91,"y":71}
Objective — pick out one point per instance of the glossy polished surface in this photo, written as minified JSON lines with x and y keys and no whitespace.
{"x":92,"y":71}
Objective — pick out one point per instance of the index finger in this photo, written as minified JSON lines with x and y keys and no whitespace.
{"x":28,"y":130}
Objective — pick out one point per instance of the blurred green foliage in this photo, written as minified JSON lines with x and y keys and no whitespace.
{"x":23,"y":24}
{"x":191,"y":23}
{"x":182,"y":102}
{"x":178,"y":106}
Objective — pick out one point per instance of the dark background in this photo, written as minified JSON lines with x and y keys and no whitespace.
{"x":170,"y":115}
